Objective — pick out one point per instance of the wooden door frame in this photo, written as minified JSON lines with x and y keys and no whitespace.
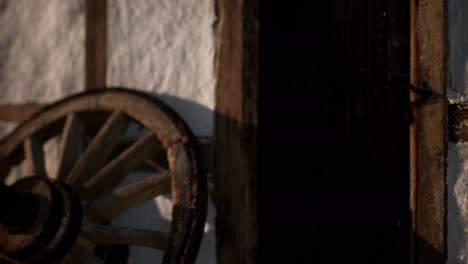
{"x":428,"y":132}
{"x":236,"y":123}
{"x":236,"y":130}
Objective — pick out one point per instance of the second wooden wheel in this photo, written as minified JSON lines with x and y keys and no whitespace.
{"x":104,"y":136}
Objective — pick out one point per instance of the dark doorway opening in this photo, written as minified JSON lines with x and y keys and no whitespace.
{"x":333,"y":147}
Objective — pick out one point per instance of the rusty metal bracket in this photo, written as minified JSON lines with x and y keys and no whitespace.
{"x":458,"y":122}
{"x":423,"y":94}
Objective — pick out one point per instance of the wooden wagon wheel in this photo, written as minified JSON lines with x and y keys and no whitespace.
{"x":96,"y":153}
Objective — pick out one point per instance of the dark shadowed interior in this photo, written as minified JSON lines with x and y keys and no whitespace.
{"x":333,"y":178}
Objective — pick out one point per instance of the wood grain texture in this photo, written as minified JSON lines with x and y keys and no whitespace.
{"x":112,"y":174}
{"x":34,"y":156}
{"x":96,"y":44}
{"x":123,"y":198}
{"x":176,"y":138}
{"x":235,"y":131}
{"x":71,"y":145}
{"x":428,"y":132}
{"x":142,"y":111}
{"x":98,"y":151}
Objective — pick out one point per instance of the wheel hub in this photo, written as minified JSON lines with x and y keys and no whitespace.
{"x":105,"y":136}
{"x":54,"y":219}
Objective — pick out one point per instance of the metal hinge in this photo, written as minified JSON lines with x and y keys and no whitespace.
{"x":423,"y":94}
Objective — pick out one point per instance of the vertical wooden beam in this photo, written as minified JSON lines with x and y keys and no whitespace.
{"x":96,"y":44}
{"x":235,"y":131}
{"x":429,"y":130}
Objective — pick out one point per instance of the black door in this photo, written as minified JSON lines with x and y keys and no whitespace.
{"x":333,"y":132}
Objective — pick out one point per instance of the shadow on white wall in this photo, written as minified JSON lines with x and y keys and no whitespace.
{"x":457,"y":171}
{"x":457,"y":201}
{"x":156,"y":214}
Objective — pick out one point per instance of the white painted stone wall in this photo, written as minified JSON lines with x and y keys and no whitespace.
{"x":166,"y":47}
{"x":457,"y":182}
{"x":163,"y":47}
{"x":41,"y":50}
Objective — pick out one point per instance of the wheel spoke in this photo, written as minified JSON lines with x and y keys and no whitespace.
{"x":34,"y":156}
{"x":68,"y":259}
{"x":100,"y":144}
{"x":5,"y":167}
{"x":155,"y":165}
{"x":123,"y":198}
{"x":113,"y":173}
{"x":83,"y":252}
{"x":98,"y":151}
{"x":106,"y":235}
{"x":71,"y":145}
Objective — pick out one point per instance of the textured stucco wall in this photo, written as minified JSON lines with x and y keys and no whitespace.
{"x":164,"y":47}
{"x":457,"y":182}
{"x":457,"y":203}
{"x":41,"y":50}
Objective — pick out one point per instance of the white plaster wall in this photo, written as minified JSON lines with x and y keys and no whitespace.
{"x":457,"y":203}
{"x":166,"y":47}
{"x":163,"y":47}
{"x":457,"y":172}
{"x":41,"y":49}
